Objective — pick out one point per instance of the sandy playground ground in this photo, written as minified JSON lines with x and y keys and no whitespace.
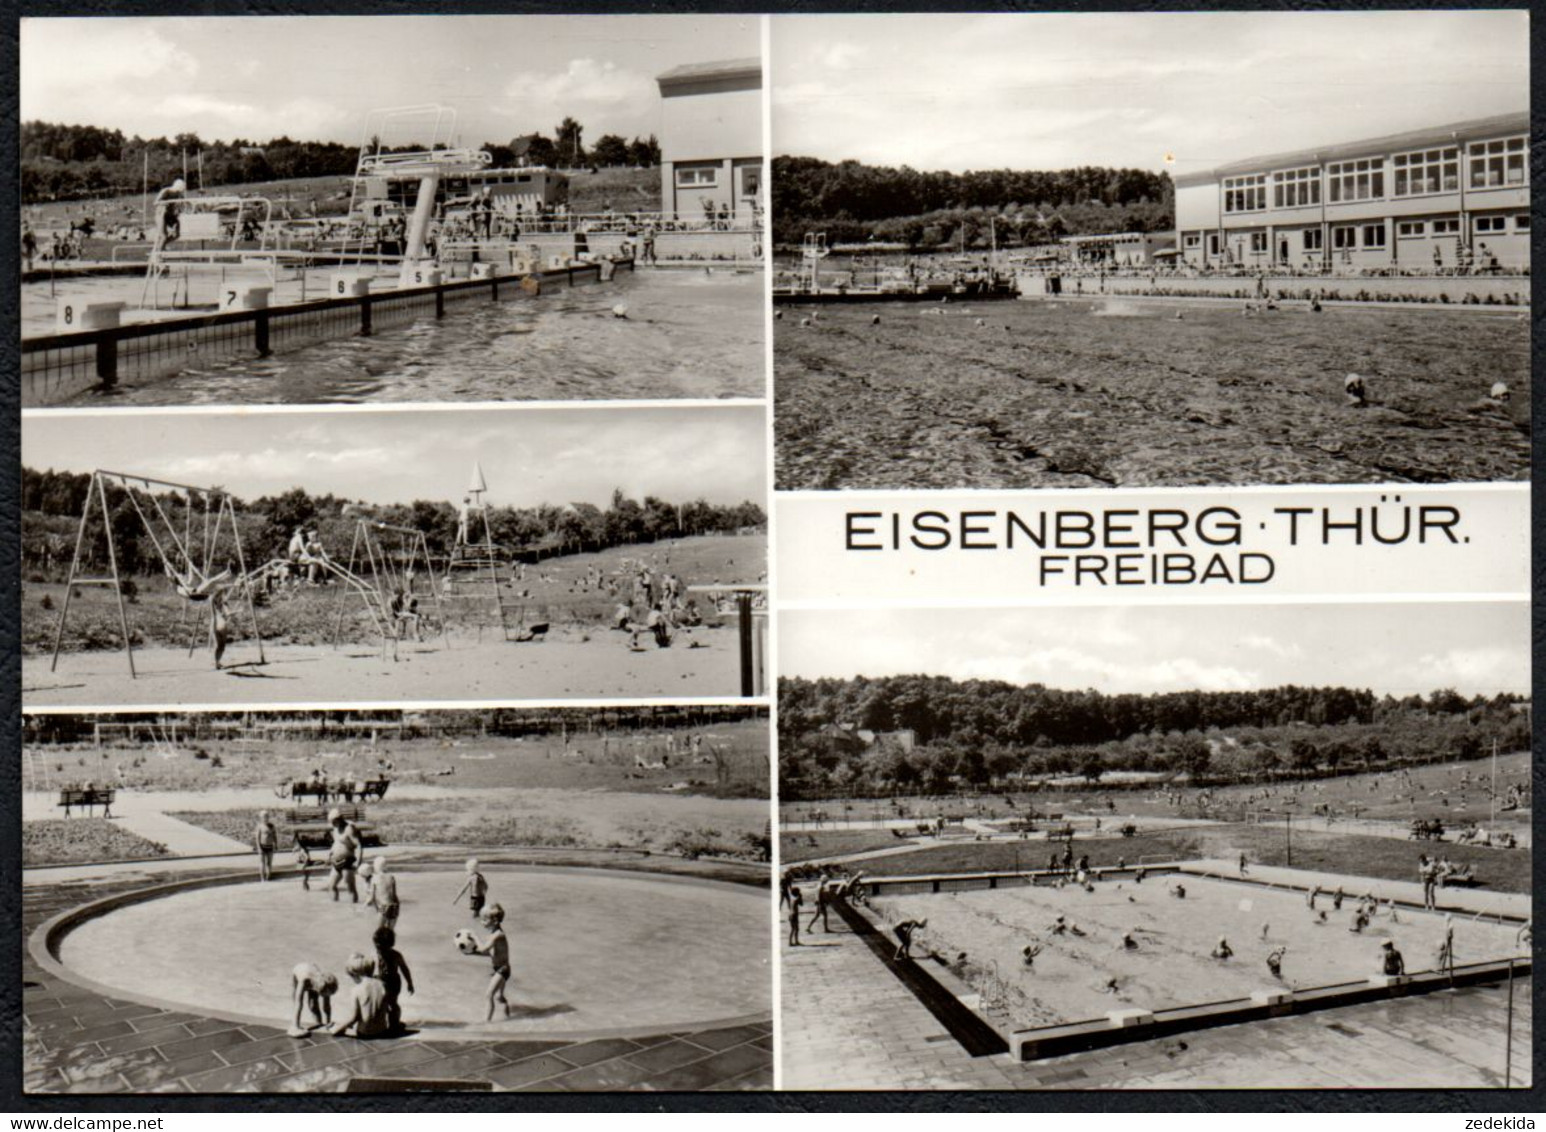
{"x":564,"y":666}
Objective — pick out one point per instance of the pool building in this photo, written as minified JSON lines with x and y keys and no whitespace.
{"x":711,"y":140}
{"x":1448,"y":197}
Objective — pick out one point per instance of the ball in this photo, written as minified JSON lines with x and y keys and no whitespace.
{"x":620,"y":311}
{"x":466,"y":942}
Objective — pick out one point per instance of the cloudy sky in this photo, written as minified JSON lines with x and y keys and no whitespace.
{"x":528,"y":456}
{"x":1395,"y":648}
{"x":316,"y":78}
{"x":1050,"y":91}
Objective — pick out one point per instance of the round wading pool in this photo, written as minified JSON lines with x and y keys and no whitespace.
{"x":592,"y":951}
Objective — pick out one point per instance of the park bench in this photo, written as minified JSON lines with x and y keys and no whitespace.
{"x":345,"y":790}
{"x":309,"y":826}
{"x":73,"y":796}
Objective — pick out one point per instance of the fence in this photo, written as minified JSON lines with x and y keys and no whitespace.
{"x":58,"y":367}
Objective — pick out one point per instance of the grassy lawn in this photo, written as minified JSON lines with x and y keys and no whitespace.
{"x":1434,"y":790}
{"x":678,"y":825}
{"x":1382,"y":857}
{"x":795,"y":847}
{"x":590,"y":762}
{"x":61,"y":841}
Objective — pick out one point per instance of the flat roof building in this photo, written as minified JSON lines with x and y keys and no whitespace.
{"x":1116,"y":249}
{"x":711,"y":140}
{"x":1454,"y":196}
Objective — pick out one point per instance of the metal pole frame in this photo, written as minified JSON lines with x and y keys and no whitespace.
{"x":338,"y":602}
{"x":69,"y":586}
{"x":228,"y":508}
{"x":112,"y":557}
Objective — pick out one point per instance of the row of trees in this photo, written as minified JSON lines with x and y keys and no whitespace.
{"x":853,"y":202}
{"x":65,"y":162}
{"x":52,"y":503}
{"x":981,"y":734}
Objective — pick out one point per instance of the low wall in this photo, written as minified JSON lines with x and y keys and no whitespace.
{"x":1506,"y":290}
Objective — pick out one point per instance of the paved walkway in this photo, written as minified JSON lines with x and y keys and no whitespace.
{"x":847,"y":1023}
{"x":1467,"y":900}
{"x":180,"y":838}
{"x":76,"y":1040}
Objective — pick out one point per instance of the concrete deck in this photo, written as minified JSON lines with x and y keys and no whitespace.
{"x":847,"y":1023}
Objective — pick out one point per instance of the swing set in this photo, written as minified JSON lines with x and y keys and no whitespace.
{"x":383,"y":577}
{"x":190,"y":528}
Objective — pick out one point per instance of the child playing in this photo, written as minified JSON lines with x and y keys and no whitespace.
{"x":265,"y":838}
{"x":383,"y":893}
{"x":904,"y":934}
{"x":1275,"y":962}
{"x":392,"y":970}
{"x":497,"y":948}
{"x":311,"y":990}
{"x":303,"y":864}
{"x":476,"y":889}
{"x":367,"y":1003}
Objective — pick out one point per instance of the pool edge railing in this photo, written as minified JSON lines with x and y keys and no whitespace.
{"x":96,"y":351}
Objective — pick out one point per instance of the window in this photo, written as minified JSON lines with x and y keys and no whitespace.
{"x":1213,"y":243}
{"x":1432,"y":171}
{"x":1245,"y":194}
{"x":1521,"y":223}
{"x":1410,"y":229}
{"x":1447,"y":227}
{"x":1490,"y":223}
{"x":697,"y":176}
{"x":1356,"y":180}
{"x":1258,"y":241}
{"x":1498,"y":164}
{"x":1374,"y":235}
{"x":1191,"y":240}
{"x":1295,"y":188}
{"x":751,"y":181}
{"x":1312,"y":240}
{"x":1344,"y":239}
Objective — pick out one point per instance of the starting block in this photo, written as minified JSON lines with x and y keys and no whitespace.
{"x":75,"y":314}
{"x":420,"y":275}
{"x":1271,"y":997}
{"x":245,"y":298}
{"x":1122,"y":1019}
{"x":485,"y":270}
{"x":348,"y":285}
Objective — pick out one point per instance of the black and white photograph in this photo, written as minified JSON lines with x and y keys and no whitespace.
{"x":386,"y":556}
{"x":887,"y":554}
{"x":367,"y":208}
{"x":366,"y":902}
{"x":1144,"y":249}
{"x":1165,"y":847}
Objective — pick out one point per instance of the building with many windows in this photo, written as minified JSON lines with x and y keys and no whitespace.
{"x":711,"y":139}
{"x":1450,"y":197}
